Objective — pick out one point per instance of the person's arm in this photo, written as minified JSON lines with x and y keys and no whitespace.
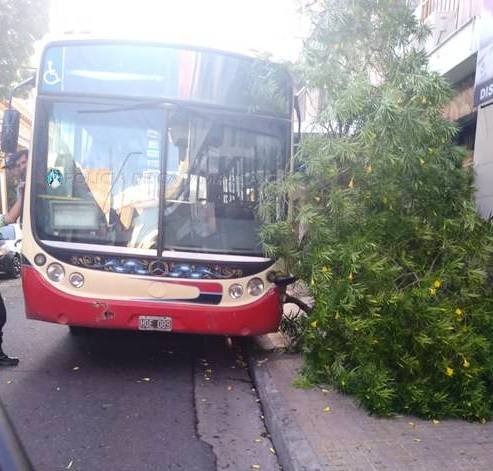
{"x":14,"y":212}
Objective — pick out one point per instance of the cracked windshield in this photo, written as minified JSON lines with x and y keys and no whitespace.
{"x":100,"y":181}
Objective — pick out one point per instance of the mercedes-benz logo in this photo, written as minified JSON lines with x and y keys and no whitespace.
{"x":158,"y":268}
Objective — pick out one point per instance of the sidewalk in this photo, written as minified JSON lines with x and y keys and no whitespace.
{"x":318,"y":429}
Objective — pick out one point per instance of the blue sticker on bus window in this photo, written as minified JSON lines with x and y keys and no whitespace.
{"x":52,"y":72}
{"x":54,"y":178}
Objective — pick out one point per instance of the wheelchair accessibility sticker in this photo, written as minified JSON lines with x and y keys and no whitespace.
{"x":52,"y":74}
{"x":50,"y":77}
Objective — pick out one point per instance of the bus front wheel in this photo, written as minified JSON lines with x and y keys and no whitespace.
{"x":78,"y":330}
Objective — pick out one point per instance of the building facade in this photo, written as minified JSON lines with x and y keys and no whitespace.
{"x":458,"y":30}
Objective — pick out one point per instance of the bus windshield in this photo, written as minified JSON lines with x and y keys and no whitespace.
{"x":98,"y":176}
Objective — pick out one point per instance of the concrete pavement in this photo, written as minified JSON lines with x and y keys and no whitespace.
{"x":321,"y":429}
{"x":229,"y":417}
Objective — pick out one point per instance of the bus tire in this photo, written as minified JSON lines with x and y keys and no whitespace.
{"x":77,"y":330}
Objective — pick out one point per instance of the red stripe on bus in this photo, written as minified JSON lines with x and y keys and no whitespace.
{"x":48,"y":303}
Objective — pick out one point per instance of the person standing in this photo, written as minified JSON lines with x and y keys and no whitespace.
{"x":18,"y":163}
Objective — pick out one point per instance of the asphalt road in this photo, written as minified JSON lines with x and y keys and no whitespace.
{"x":119,"y":400}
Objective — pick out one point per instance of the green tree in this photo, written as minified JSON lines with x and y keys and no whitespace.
{"x":392,"y":247}
{"x":23,"y":22}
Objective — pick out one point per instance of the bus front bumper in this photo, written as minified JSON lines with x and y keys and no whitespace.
{"x":47,"y":303}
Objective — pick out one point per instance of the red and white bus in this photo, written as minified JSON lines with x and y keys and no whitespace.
{"x":147,"y":166}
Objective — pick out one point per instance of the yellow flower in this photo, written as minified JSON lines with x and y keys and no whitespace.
{"x":459,"y":313}
{"x":466,"y":364}
{"x":437,"y":284}
{"x":314,"y":324}
{"x":449,"y":371}
{"x":350,"y":277}
{"x":433,"y":291}
{"x":325,"y":269}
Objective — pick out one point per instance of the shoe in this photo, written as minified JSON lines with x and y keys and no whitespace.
{"x":8,"y":361}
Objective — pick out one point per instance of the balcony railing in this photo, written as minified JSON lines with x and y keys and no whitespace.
{"x":462,"y":10}
{"x":445,"y":18}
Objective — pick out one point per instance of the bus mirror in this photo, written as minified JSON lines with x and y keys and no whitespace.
{"x":10,"y":131}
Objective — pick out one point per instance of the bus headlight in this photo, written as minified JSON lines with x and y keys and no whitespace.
{"x":255,"y":287}
{"x":236,"y":291}
{"x":77,"y":280}
{"x":40,"y":259}
{"x":55,"y":272}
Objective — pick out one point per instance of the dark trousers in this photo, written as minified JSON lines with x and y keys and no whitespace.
{"x":3,"y":319}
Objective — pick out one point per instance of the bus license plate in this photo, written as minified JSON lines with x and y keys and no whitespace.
{"x":163,"y":324}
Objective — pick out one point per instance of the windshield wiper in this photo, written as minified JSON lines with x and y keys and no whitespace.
{"x":115,"y":180}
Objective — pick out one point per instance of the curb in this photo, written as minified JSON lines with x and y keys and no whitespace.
{"x":292,"y":447}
